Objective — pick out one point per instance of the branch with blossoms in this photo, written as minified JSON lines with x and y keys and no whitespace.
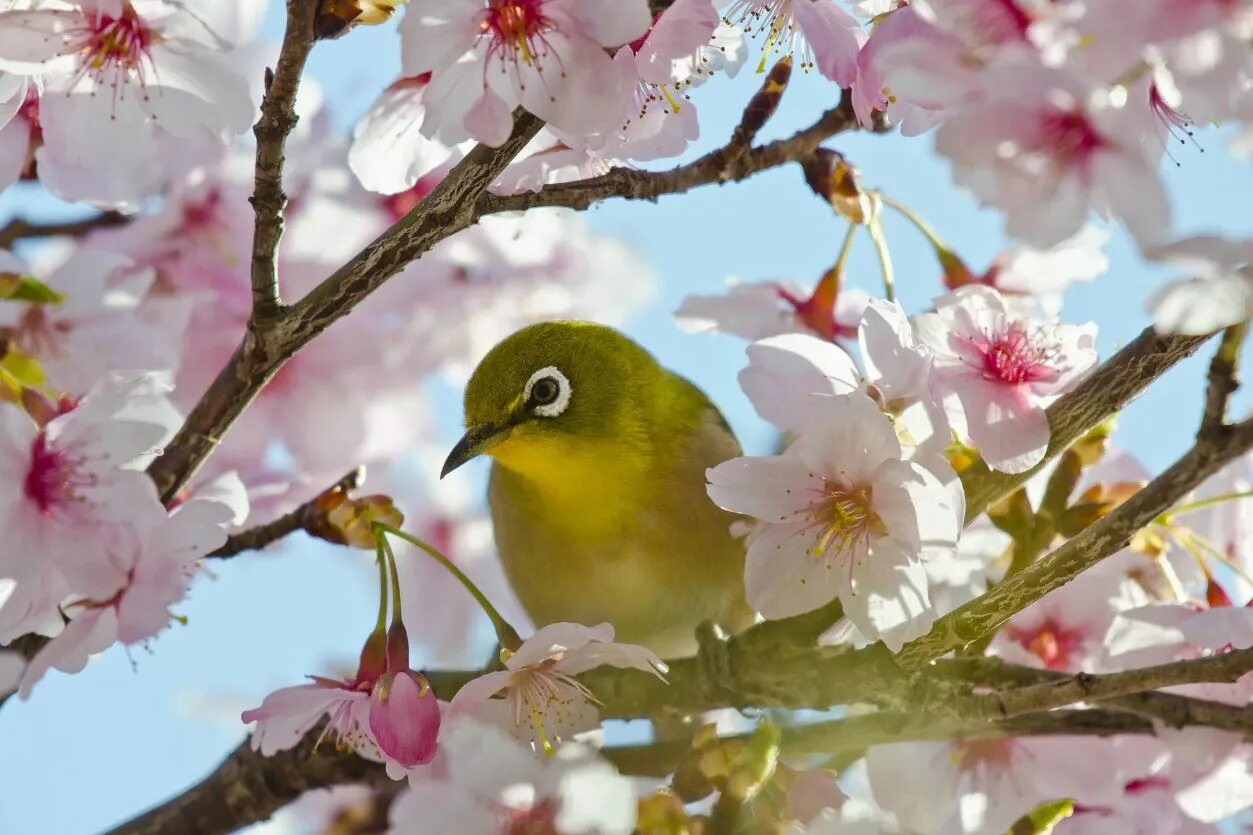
{"x":1080,"y":638}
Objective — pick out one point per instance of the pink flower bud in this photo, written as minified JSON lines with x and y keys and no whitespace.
{"x":404,"y":716}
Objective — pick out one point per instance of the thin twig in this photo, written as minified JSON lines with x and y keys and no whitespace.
{"x":714,"y":167}
{"x":20,"y":229}
{"x":985,"y":613}
{"x":278,"y":117}
{"x":306,"y":518}
{"x":1222,"y":380}
{"x":1084,"y":687}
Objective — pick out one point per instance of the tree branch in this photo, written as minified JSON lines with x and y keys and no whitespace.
{"x":307,"y":518}
{"x":278,"y":117}
{"x":722,"y":165}
{"x":1222,"y":380}
{"x":1103,"y":393}
{"x":19,"y":229}
{"x":1084,"y":687}
{"x":1110,"y":534}
{"x":449,"y":208}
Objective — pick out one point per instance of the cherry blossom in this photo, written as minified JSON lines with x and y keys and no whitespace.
{"x":1159,"y":633}
{"x":389,"y":153}
{"x":768,"y":308}
{"x":64,"y":487}
{"x":19,"y":128}
{"x":542,"y":701}
{"x":545,"y":55}
{"x":157,"y":555}
{"x":826,"y":37}
{"x":397,"y":703}
{"x":1066,"y":629}
{"x":104,"y":324}
{"x":1045,"y":147}
{"x":785,"y":375}
{"x":1218,"y":291}
{"x":495,"y":786}
{"x":996,"y":372}
{"x":124,"y":83}
{"x":841,"y":514}
{"x":984,"y":785}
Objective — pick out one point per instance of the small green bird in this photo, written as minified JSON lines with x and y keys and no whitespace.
{"x":597,"y":488}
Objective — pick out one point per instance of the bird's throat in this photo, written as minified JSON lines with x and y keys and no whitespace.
{"x":584,"y":490}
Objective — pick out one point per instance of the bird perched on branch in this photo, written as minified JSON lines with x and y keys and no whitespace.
{"x":597,"y":488}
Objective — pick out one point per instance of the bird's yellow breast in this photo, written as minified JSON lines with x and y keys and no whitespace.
{"x":586,"y":488}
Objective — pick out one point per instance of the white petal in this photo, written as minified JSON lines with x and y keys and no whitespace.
{"x":786,"y":372}
{"x":888,"y":598}
{"x":781,"y":577}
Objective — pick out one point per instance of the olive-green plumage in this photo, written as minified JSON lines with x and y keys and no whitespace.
{"x":597,"y":489}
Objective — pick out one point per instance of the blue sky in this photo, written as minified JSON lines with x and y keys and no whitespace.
{"x":91,"y":750}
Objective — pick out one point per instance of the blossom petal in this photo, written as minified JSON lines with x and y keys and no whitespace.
{"x":781,"y":577}
{"x":786,"y":372}
{"x":888,"y":597}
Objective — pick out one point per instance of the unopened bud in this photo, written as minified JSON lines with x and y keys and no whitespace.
{"x":837,"y":181}
{"x":348,"y":521}
{"x":335,"y":17}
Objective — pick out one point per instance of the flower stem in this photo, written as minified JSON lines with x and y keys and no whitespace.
{"x":397,"y":616}
{"x":875,"y":228}
{"x":505,"y":634}
{"x":381,"y":559}
{"x":1209,"y":501}
{"x":845,"y":247}
{"x":921,"y":225}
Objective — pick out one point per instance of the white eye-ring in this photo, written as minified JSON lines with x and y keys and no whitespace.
{"x":548,"y":392}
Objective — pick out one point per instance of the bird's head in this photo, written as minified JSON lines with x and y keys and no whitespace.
{"x":553,"y":389}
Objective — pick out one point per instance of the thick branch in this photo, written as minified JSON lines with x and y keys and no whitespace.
{"x":1112,"y":533}
{"x":278,"y":117}
{"x":1104,"y":393}
{"x":247,"y":788}
{"x":19,"y":229}
{"x":1227,"y":667}
{"x":723,"y":165}
{"x":446,"y":210}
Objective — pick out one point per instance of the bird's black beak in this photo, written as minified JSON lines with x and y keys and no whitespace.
{"x":476,"y":440}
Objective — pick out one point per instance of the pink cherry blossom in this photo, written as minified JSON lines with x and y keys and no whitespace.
{"x":124,"y":83}
{"x":158,"y":554}
{"x":820,"y":32}
{"x":19,"y":128}
{"x":489,"y":56}
{"x":984,"y":785}
{"x":768,"y":308}
{"x":1065,"y":630}
{"x":286,"y":715}
{"x":389,"y":153}
{"x":1045,"y":274}
{"x":841,"y":514}
{"x":903,"y":41}
{"x":495,"y":786}
{"x":1046,"y":147}
{"x":396,"y":703}
{"x":542,"y":701}
{"x":103,"y":325}
{"x":1217,"y":292}
{"x":786,"y":373}
{"x":64,"y":487}
{"x":997,"y":371}
{"x":1161,"y":633}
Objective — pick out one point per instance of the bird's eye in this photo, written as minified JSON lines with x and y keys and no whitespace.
{"x":547,"y":392}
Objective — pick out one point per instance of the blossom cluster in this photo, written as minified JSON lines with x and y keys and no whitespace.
{"x":1048,"y":112}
